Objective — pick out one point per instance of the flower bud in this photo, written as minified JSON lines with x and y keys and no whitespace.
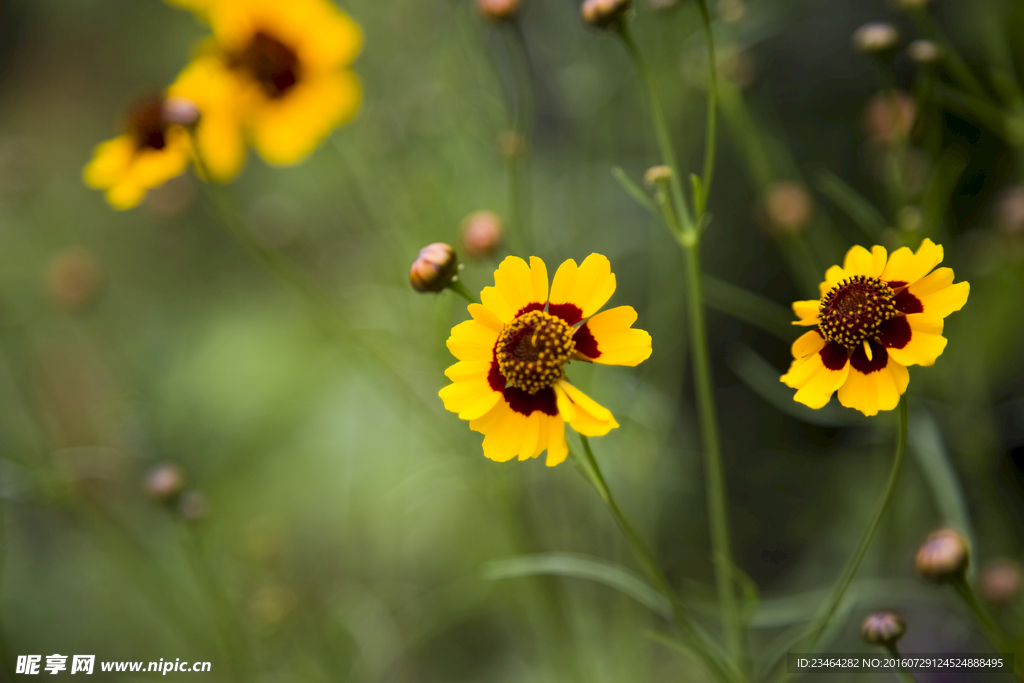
{"x":164,"y":482}
{"x":180,"y":111}
{"x":434,"y":268}
{"x":1000,"y":580}
{"x":498,"y":10}
{"x":943,"y":557}
{"x":1010,"y":210}
{"x":604,"y":13}
{"x":883,"y":628}
{"x":889,"y":117}
{"x":481,"y":234}
{"x":788,"y":205}
{"x":924,"y":51}
{"x":657,"y":174}
{"x":193,"y":506}
{"x":876,"y":37}
{"x":73,"y":278}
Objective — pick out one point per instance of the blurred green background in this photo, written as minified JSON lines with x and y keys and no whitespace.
{"x":351,"y":525}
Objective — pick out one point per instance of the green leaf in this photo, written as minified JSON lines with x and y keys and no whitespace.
{"x":941,"y":186}
{"x":749,"y":307}
{"x":580,"y":567}
{"x":859,"y":209}
{"x":634,"y":190}
{"x":763,"y":379}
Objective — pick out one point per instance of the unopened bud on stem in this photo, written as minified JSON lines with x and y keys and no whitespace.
{"x":498,"y":10}
{"x":876,"y":37}
{"x":180,"y":111}
{"x":604,"y":13}
{"x":943,"y":557}
{"x":883,"y":628}
{"x":164,"y":482}
{"x":434,"y":268}
{"x":481,"y":233}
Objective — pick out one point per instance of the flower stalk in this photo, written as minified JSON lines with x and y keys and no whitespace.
{"x":679,"y":221}
{"x":839,"y":590}
{"x":690,"y":630}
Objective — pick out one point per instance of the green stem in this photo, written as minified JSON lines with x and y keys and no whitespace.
{"x":668,"y":155}
{"x":992,"y":631}
{"x":709,"y":139}
{"x":876,"y":520}
{"x":714,"y":478}
{"x":958,"y":69}
{"x":460,"y":289}
{"x":650,"y":565}
{"x":904,"y":675}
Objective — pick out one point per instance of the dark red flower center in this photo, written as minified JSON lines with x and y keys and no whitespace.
{"x":271,"y":63}
{"x":532,"y":349}
{"x":852,"y":312}
{"x":147,"y":125}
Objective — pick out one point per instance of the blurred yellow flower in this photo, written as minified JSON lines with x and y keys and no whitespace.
{"x":876,"y":316}
{"x":274,"y":74}
{"x":150,"y":152}
{"x":509,"y":381}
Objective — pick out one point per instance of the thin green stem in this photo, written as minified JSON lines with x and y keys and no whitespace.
{"x":988,"y":625}
{"x":904,"y":675}
{"x":714,"y":478}
{"x":460,"y":289}
{"x":709,"y":139}
{"x":869,"y":534}
{"x":957,"y":67}
{"x":668,"y":155}
{"x":650,"y":565}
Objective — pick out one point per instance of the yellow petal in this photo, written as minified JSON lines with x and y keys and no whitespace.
{"x":819,"y":387}
{"x":938,"y":296}
{"x":514,"y":282}
{"x":617,"y":342}
{"x":879,"y":390}
{"x":926,"y":341}
{"x":833,"y":276}
{"x":501,"y":442}
{"x":493,"y":301}
{"x":806,"y":311}
{"x":561,"y":286}
{"x":860,"y":261}
{"x":593,"y":285}
{"x":904,"y":266}
{"x":110,"y":161}
{"x":808,"y":343}
{"x":286,"y":129}
{"x":531,"y":434}
{"x":591,"y":418}
{"x":472,"y":341}
{"x":558,"y":449}
{"x":467,"y":370}
{"x":486,"y":317}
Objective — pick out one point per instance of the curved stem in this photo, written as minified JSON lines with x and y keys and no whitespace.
{"x":650,"y":565}
{"x":709,"y":139}
{"x":668,"y":155}
{"x":460,"y":289}
{"x":869,"y":534}
{"x":992,"y":631}
{"x":904,"y":675}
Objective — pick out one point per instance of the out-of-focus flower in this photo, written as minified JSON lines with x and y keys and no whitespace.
{"x":434,"y":268}
{"x":1001,"y":580}
{"x":498,"y":10}
{"x":481,"y":233}
{"x":276,"y":74}
{"x":883,"y":628}
{"x":604,"y":13}
{"x":1010,"y":210}
{"x":914,"y":4}
{"x":876,"y":316}
{"x":73,"y":278}
{"x":878,"y":37}
{"x":924,"y":51}
{"x":787,"y":205}
{"x":164,"y":482}
{"x":510,"y":381}
{"x":943,"y":557}
{"x":150,"y":152}
{"x":889,"y":117}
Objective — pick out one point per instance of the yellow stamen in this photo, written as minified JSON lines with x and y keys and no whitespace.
{"x":867,"y":349}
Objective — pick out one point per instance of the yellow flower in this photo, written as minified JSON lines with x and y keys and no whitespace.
{"x":276,"y":74}
{"x":150,"y":152}
{"x":876,"y":316}
{"x":509,"y":381}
